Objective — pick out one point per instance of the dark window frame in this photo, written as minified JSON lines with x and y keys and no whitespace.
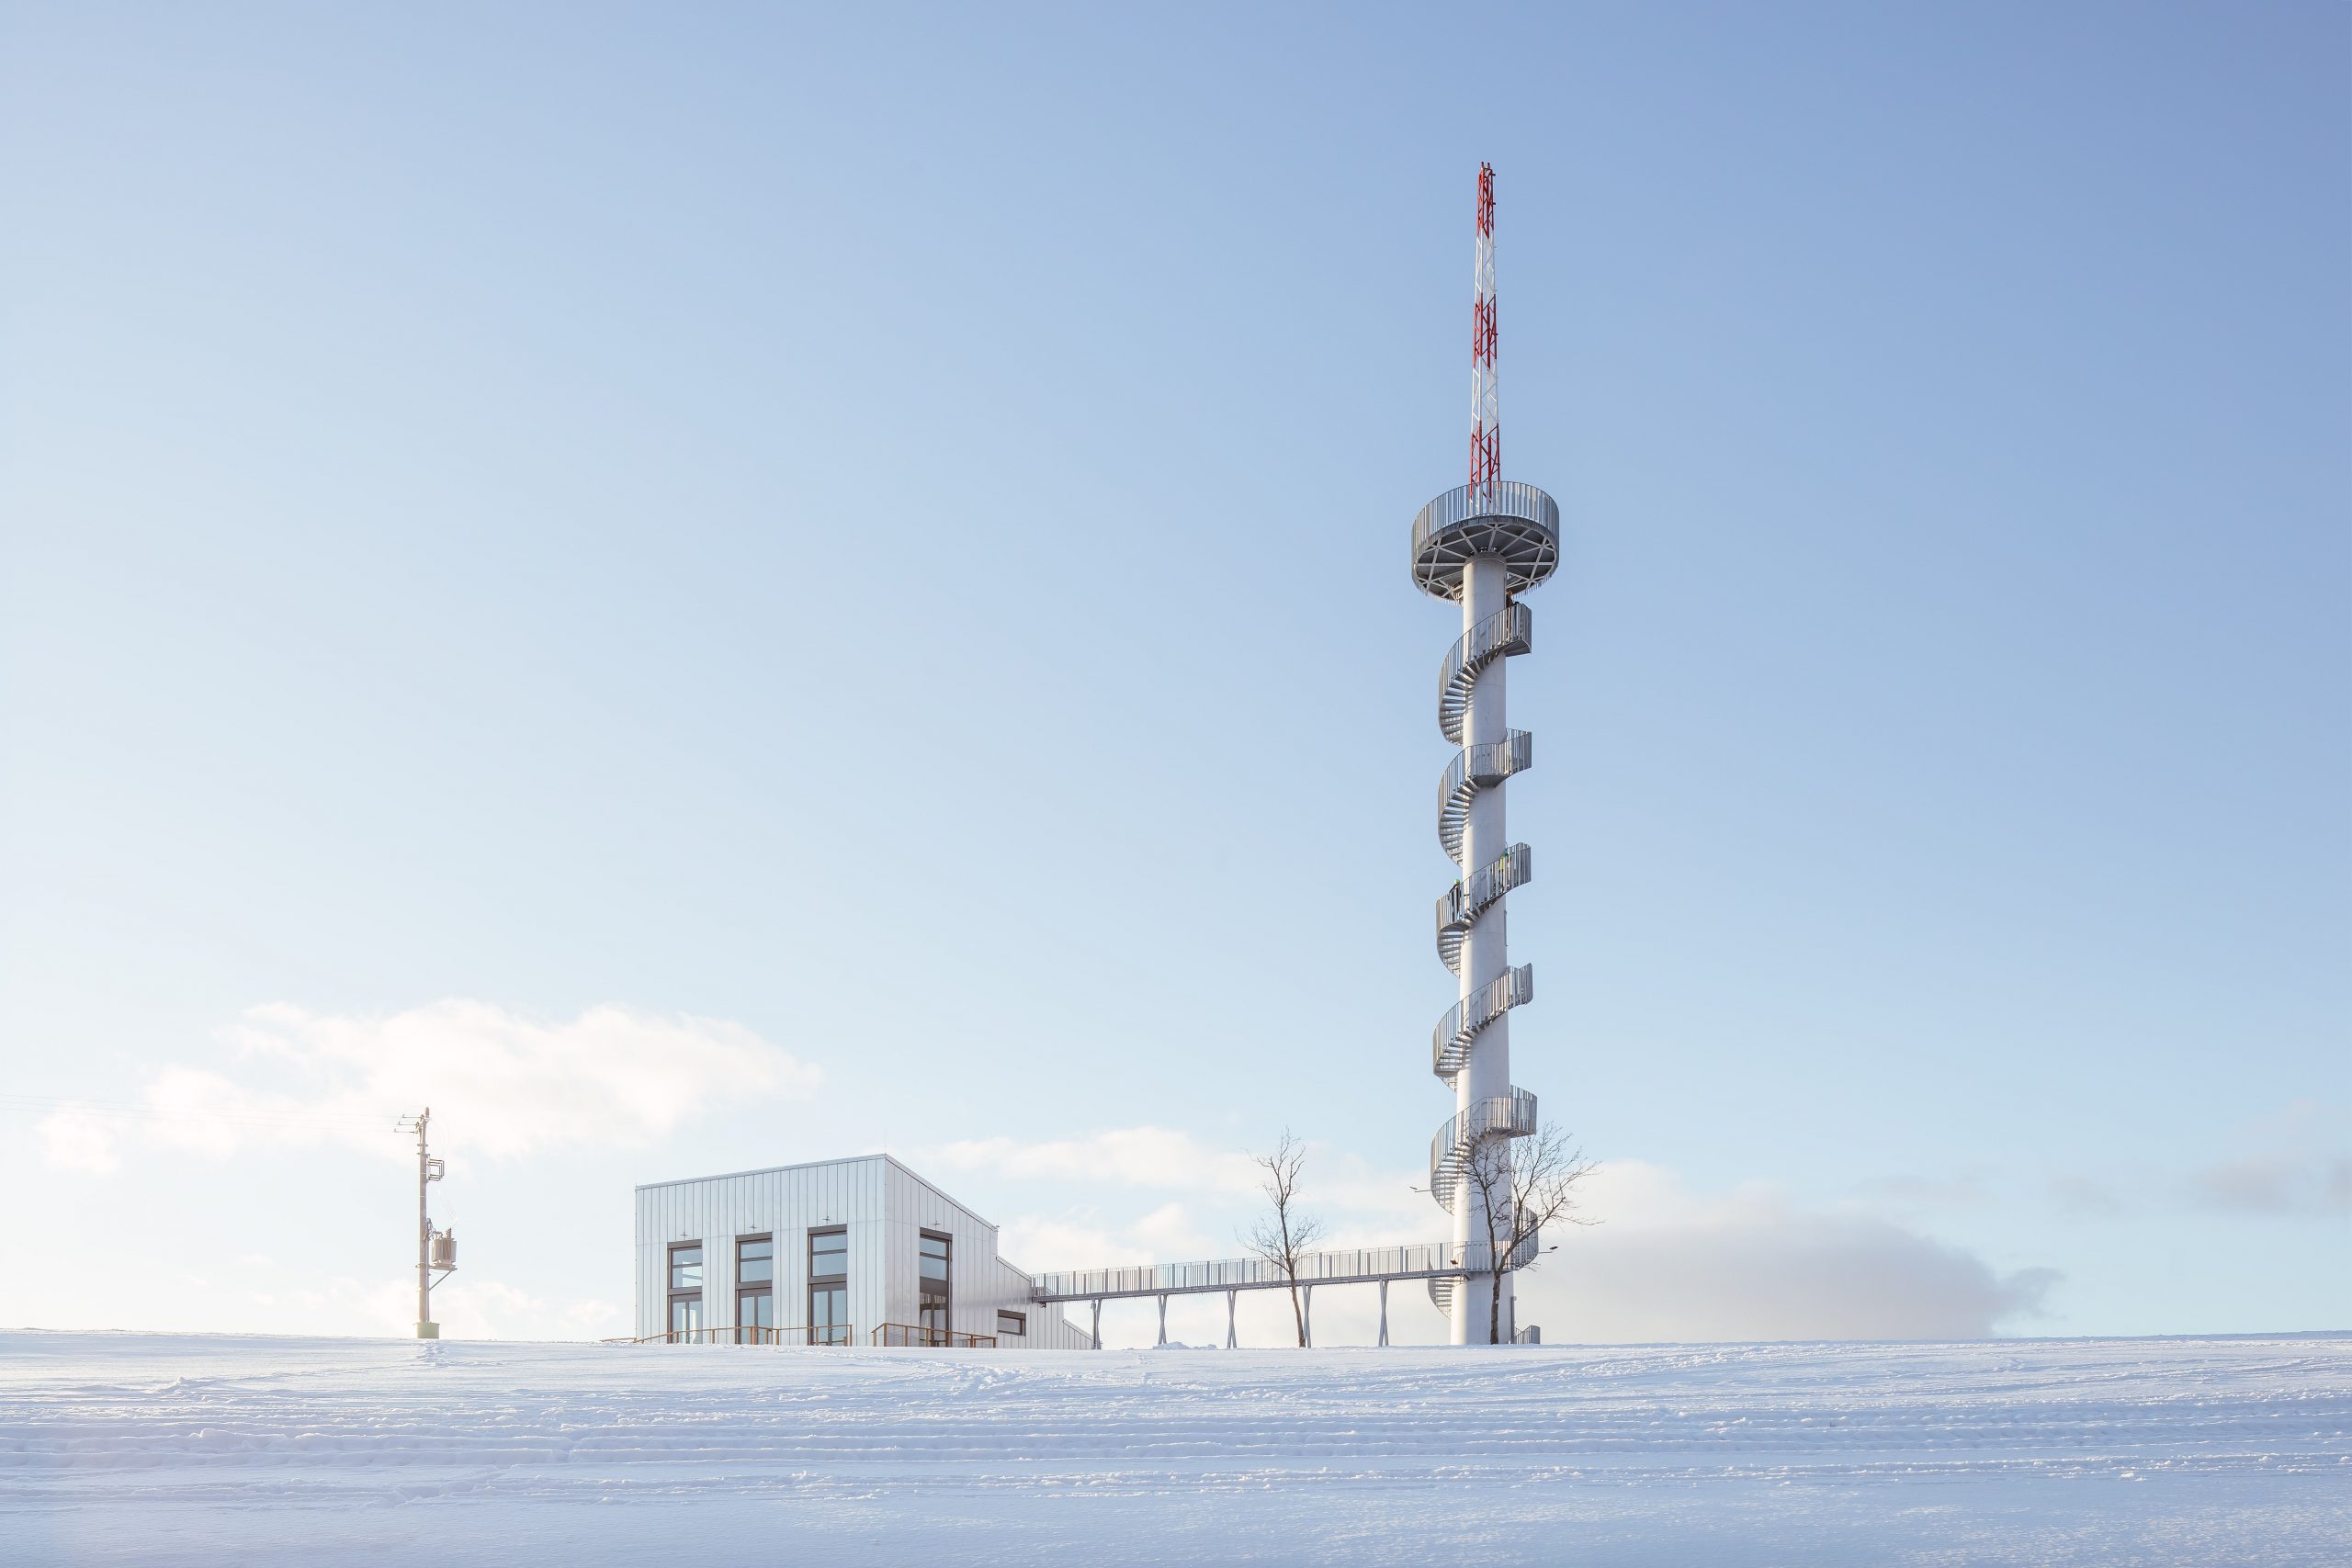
{"x":1019,"y":1321}
{"x":833,"y":1332}
{"x":762,"y":1289}
{"x":940,"y":1332}
{"x":672,"y":1296}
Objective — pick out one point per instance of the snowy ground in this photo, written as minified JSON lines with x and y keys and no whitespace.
{"x":191,"y":1448}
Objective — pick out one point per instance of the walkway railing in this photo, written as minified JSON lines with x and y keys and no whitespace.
{"x":1360,"y":1266}
{"x":1441,"y":1267}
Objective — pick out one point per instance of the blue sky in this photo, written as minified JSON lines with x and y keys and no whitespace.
{"x":884,"y":532}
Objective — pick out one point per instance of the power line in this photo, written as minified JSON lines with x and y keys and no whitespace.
{"x":36,"y":1104}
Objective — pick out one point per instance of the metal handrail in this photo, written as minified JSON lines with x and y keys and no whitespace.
{"x":1507,"y":631}
{"x":1513,"y":1116}
{"x":917,"y":1335}
{"x":1450,"y":1042}
{"x":1474,"y":768}
{"x":1474,"y":1257}
{"x":1459,"y":906}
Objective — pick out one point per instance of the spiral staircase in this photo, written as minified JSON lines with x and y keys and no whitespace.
{"x":1512,"y":528}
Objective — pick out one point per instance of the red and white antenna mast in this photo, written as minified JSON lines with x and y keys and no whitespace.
{"x":1486,"y":418}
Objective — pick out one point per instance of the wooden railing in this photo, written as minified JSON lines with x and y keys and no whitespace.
{"x":943,"y":1338}
{"x":819,"y":1333}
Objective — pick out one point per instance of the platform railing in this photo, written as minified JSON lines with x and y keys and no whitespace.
{"x":1502,"y":498}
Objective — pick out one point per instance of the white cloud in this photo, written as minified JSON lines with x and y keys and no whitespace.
{"x":2277,"y":1184}
{"x":504,"y":1084}
{"x":77,"y":1139}
{"x":2299,"y":1166}
{"x":1050,"y":1242}
{"x":1666,"y":1264}
{"x":1133,"y":1157}
{"x":1370,"y":1207}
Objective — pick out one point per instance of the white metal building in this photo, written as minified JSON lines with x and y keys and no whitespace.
{"x":839,"y":1252}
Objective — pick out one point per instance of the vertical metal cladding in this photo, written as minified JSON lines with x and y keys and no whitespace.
{"x":1481,"y":546}
{"x":884,"y":1207}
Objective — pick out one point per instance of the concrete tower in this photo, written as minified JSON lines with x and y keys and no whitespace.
{"x":1482,"y":546}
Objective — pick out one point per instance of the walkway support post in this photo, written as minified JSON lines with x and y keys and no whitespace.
{"x":1231,"y":1343}
{"x":1384,"y":1312}
{"x":1163,"y":1321}
{"x":1098,"y":1323}
{"x":1306,"y":1317}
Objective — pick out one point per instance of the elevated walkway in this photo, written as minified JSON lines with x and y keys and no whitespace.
{"x":1363,"y":1266}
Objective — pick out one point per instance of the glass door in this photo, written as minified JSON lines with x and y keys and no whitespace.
{"x":827,"y":1315}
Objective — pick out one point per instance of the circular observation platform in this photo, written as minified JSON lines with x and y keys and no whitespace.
{"x":1509,"y":519}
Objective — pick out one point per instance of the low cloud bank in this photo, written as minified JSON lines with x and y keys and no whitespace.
{"x":1667,"y":1264}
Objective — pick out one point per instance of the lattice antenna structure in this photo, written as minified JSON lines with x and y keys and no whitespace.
{"x":1481,"y":547}
{"x":1486,"y":416}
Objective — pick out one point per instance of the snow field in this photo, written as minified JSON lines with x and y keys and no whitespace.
{"x":159,"y":1448}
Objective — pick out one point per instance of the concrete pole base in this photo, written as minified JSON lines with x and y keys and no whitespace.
{"x":429,"y":1331}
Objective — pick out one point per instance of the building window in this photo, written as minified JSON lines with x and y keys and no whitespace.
{"x":755,"y":1290}
{"x":685,"y":1291}
{"x":1012,"y":1321}
{"x":828,"y":1287}
{"x":931,"y":1270}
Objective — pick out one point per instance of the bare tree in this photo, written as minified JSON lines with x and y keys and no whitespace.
{"x":1282,"y":1237}
{"x":1519,"y":1185}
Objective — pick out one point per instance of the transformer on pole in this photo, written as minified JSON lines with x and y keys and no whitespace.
{"x":435,"y":1250}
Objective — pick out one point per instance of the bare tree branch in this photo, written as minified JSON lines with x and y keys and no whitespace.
{"x":1284,"y":1235}
{"x":1518,"y":1186}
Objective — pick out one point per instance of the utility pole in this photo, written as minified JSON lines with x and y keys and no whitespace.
{"x":434,"y":1249}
